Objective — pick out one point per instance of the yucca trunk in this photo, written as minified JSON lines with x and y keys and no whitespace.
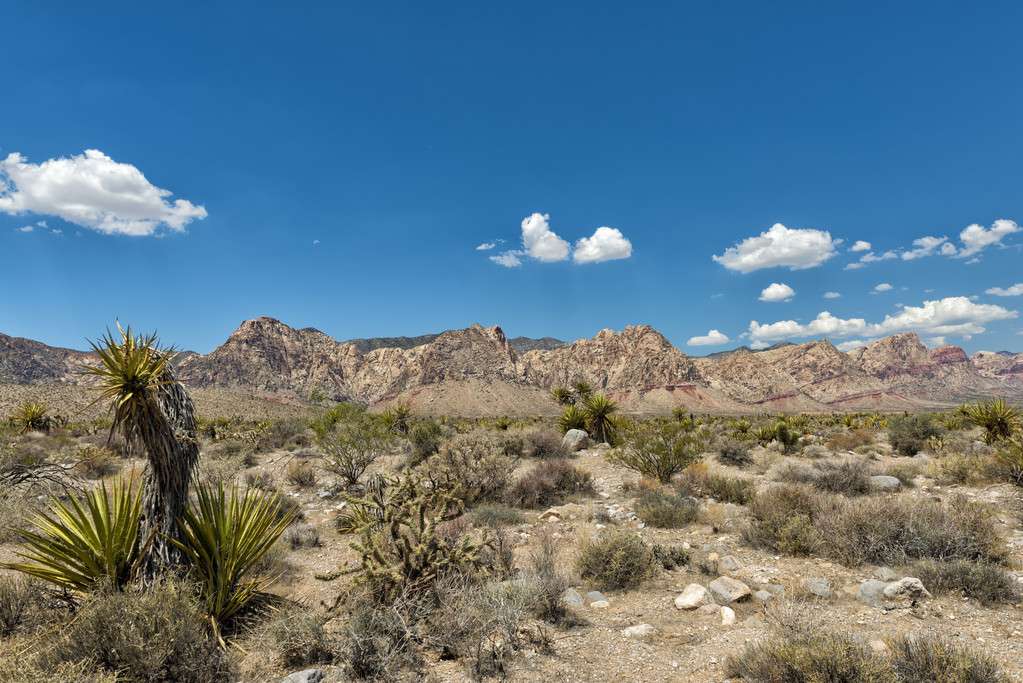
{"x":172,"y":452}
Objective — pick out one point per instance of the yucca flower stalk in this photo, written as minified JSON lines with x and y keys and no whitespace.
{"x":155,"y":414}
{"x":87,"y":543}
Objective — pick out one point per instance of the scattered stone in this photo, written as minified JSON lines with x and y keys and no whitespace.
{"x":709,"y":610}
{"x":595,"y":596}
{"x":908,"y":588}
{"x":575,"y":440}
{"x":763,"y":596}
{"x":819,"y":587}
{"x":727,"y":616}
{"x":885,"y":574}
{"x":777,"y":589}
{"x":713,"y":557}
{"x":307,"y":676}
{"x":693,"y":596}
{"x":707,"y":547}
{"x":754,"y":622}
{"x":878,"y":645}
{"x":325,"y":493}
{"x":727,"y":590}
{"x":883,"y":482}
{"x":730,"y":563}
{"x":872,"y":592}
{"x":638,"y":632}
{"x":600,"y":604}
{"x":572,"y":597}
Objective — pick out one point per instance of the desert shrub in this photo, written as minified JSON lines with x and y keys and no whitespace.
{"x":301,"y":474}
{"x":548,"y":483}
{"x":298,"y":639}
{"x":495,"y":516}
{"x":964,"y":469}
{"x":548,"y":580}
{"x":905,"y":472}
{"x":302,"y":536}
{"x":17,"y":597}
{"x":786,"y":436}
{"x":265,"y":481}
{"x":986,"y":583}
{"x":424,"y":440}
{"x":666,"y":510}
{"x":1010,"y":460}
{"x":471,"y":466}
{"x":95,"y":463}
{"x":374,"y":642}
{"x":512,"y":445}
{"x":544,"y":444}
{"x":783,"y":520}
{"x":670,"y":556}
{"x":851,"y":478}
{"x":661,"y":451}
{"x":735,"y":453}
{"x":154,"y":635}
{"x":847,"y":441}
{"x":351,"y":446}
{"x":615,"y":560}
{"x":806,"y":658}
{"x":697,"y":481}
{"x":909,"y":434}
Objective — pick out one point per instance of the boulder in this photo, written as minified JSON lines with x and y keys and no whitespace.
{"x":908,"y":588}
{"x":595,"y":596}
{"x":306,"y":676}
{"x":693,"y":597}
{"x":575,"y":440}
{"x":730,"y":563}
{"x":882,"y":482}
{"x":727,"y":616}
{"x":819,"y":587}
{"x":727,"y":590}
{"x":885,"y":574}
{"x":872,"y":592}
{"x":572,"y":597}
{"x":638,"y":632}
{"x":763,"y":596}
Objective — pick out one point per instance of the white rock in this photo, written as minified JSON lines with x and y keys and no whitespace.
{"x":693,"y":596}
{"x":727,"y":616}
{"x":638,"y":632}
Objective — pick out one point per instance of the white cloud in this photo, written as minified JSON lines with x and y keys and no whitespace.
{"x":713,"y":338}
{"x":925,"y":246}
{"x":316,"y":241}
{"x":948,"y":249}
{"x":779,"y":246}
{"x":27,"y":228}
{"x":777,"y":291}
{"x":950,"y":316}
{"x":883,"y":287}
{"x":485,"y":246}
{"x":756,"y":346}
{"x":831,"y":295}
{"x":509,"y":259}
{"x":860,"y":246}
{"x":1015,"y":290}
{"x":606,"y":244}
{"x":975,"y":237}
{"x":936,"y":341}
{"x":540,"y":242}
{"x":853,"y":266}
{"x":94,"y":191}
{"x":854,"y":344}
{"x":871,"y":257}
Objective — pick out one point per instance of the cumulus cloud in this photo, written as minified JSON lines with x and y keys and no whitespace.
{"x":854,"y":344}
{"x":540,"y":242}
{"x":486,"y":246}
{"x":713,"y":338}
{"x":27,"y":228}
{"x":975,"y":237}
{"x":925,"y":246}
{"x":779,"y":246}
{"x":777,"y":291}
{"x":860,"y":246}
{"x":883,"y":287}
{"x":831,"y":295}
{"x":606,"y":244}
{"x":315,"y":242}
{"x":950,"y":316}
{"x":93,"y":191}
{"x":1015,"y":290}
{"x":509,"y":259}
{"x":937,"y":341}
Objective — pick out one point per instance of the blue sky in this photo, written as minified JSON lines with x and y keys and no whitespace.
{"x":711,"y":169}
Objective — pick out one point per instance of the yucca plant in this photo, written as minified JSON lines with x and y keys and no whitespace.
{"x":87,"y":543}
{"x":225,"y":535}
{"x":31,"y":416}
{"x":599,"y":409}
{"x":572,"y":417}
{"x":562,"y":396}
{"x":582,"y":388}
{"x":154,"y":412}
{"x":995,"y":416}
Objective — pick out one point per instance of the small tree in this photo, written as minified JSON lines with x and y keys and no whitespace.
{"x":351,"y":446}
{"x":662,"y":450}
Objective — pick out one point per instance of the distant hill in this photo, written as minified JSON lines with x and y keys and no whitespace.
{"x":519,"y":344}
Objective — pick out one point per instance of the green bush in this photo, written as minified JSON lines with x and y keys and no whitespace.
{"x":662,"y":450}
{"x":735,"y":452}
{"x":986,"y":583}
{"x":670,"y":556}
{"x":548,"y":484}
{"x":425,"y":439}
{"x":666,"y":510}
{"x":495,"y":515}
{"x":615,"y":560}
{"x":909,"y":434}
{"x":471,"y":466}
{"x":782,"y":520}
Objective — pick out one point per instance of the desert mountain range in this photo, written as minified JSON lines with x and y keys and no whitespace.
{"x":478,"y":371}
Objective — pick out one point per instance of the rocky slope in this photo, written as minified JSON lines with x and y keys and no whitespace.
{"x":478,"y":371}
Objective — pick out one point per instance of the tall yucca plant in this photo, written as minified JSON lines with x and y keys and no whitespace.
{"x":31,"y":415}
{"x":571,"y":417}
{"x":87,"y":543}
{"x":599,"y":409}
{"x":225,"y":535}
{"x":996,"y":417}
{"x":154,"y":412}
